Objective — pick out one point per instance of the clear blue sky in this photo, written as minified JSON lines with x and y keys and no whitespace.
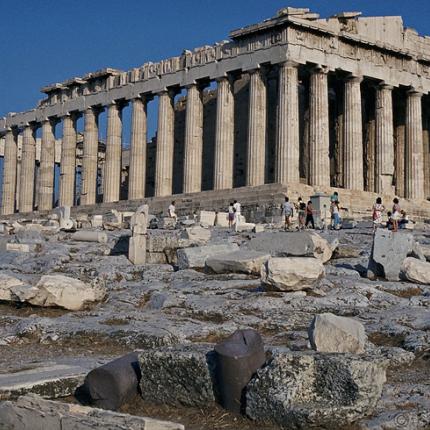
{"x":46,"y":41}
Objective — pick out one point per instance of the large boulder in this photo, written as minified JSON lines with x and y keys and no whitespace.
{"x":330,"y":333}
{"x":242,"y":261}
{"x":60,"y":291}
{"x":294,"y":244}
{"x":305,"y":390}
{"x":415,"y":270}
{"x":178,"y":375}
{"x":388,"y":252}
{"x":33,"y":412}
{"x":291,"y":273}
{"x":195,"y":257}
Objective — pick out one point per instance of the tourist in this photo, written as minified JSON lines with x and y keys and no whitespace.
{"x":334,"y":197}
{"x":335,"y":216}
{"x":378,"y":208}
{"x":396,"y":213}
{"x":310,"y":215}
{"x":287,"y":211}
{"x":392,"y":222}
{"x":230,"y":216}
{"x":404,"y":219}
{"x":172,"y":211}
{"x":301,"y":212}
{"x":237,"y":213}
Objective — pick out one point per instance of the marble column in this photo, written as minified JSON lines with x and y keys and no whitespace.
{"x":384,"y":168}
{"x":137,"y":178}
{"x":287,"y":143}
{"x":414,"y":167}
{"x":257,"y":127}
{"x":90,"y":157}
{"x":112,"y":173}
{"x":27,"y":174}
{"x":193,"y":140}
{"x":47,"y":165}
{"x":9,"y":173}
{"x":353,"y":135}
{"x":224,"y":135}
{"x":68,"y":161}
{"x":319,"y":169}
{"x":165,"y":145}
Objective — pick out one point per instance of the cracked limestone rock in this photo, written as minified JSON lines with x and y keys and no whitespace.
{"x":291,"y":273}
{"x":242,"y":261}
{"x":306,"y":390}
{"x":330,"y":333}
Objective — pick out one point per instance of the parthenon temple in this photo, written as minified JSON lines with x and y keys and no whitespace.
{"x":296,"y":99}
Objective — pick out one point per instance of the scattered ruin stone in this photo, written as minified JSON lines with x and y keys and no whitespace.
{"x":207,"y":218}
{"x":113,"y":384}
{"x":97,"y":221}
{"x":291,"y":273}
{"x":197,"y":235}
{"x":22,"y":247}
{"x":137,"y":243}
{"x":180,"y":375}
{"x":33,"y":412}
{"x":221,"y":219}
{"x":237,"y":359}
{"x":90,"y":236}
{"x":50,"y":380}
{"x":304,"y":390}
{"x":242,"y":261}
{"x":60,"y":291}
{"x":292,"y":244}
{"x":195,"y":257}
{"x":415,"y":270}
{"x":331,"y":333}
{"x":7,"y":284}
{"x":388,"y":252}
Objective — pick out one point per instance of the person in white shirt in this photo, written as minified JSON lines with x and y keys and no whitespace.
{"x":172,"y":211}
{"x":230,"y":215}
{"x":236,"y":209}
{"x":287,"y":211}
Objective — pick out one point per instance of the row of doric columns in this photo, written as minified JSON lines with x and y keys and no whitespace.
{"x":287,"y":158}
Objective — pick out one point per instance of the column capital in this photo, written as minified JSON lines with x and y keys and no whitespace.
{"x":226,"y":77}
{"x":171,"y":92}
{"x":320,"y":69}
{"x":383,"y":85}
{"x":353,"y":78}
{"x":415,"y":92}
{"x":290,"y":64}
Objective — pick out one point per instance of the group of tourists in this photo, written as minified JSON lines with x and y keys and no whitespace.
{"x":305,"y":213}
{"x":396,"y":218}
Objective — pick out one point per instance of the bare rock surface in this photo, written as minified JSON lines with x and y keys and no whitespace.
{"x":33,"y":412}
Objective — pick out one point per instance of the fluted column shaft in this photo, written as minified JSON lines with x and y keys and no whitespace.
{"x":414,"y":168}
{"x":384,"y":139}
{"x":193,"y":140}
{"x":165,"y":145}
{"x":112,"y":174}
{"x":319,"y":169}
{"x":224,"y":135}
{"x":27,"y":177}
{"x":287,"y":142}
{"x":90,"y":157}
{"x":256,"y":129}
{"x":353,"y":135}
{"x":68,"y":162}
{"x":47,"y":166}
{"x":9,"y":174}
{"x":136,"y":185}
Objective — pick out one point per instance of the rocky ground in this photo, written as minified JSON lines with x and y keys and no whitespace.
{"x":157,"y":305}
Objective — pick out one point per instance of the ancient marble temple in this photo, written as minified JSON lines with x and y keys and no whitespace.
{"x":334,"y":102}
